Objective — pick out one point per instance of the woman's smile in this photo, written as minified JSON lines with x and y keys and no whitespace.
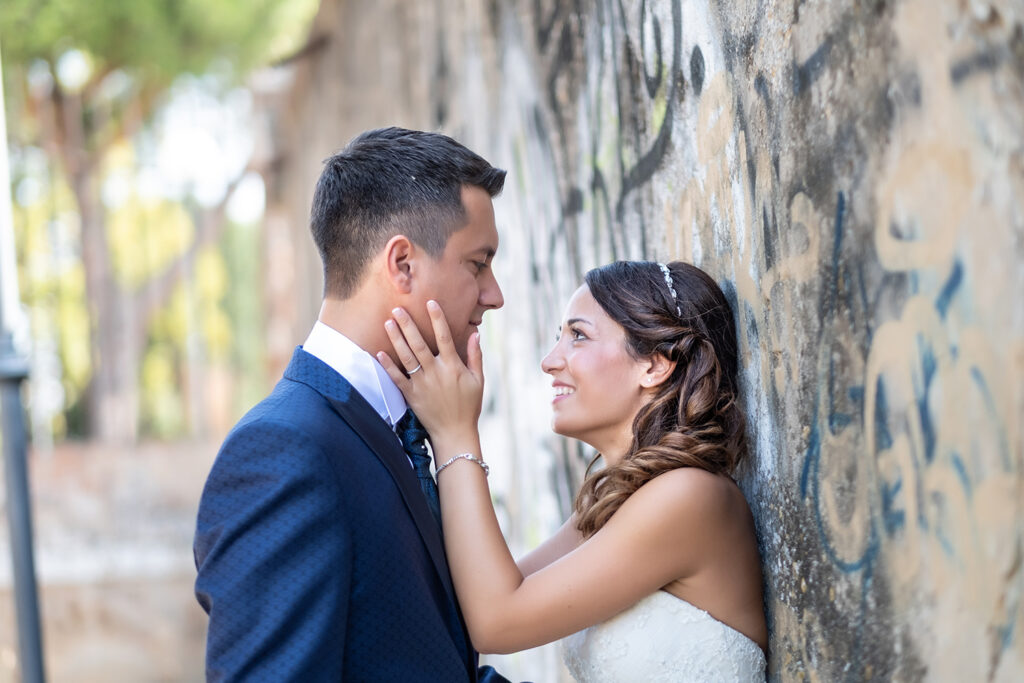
{"x":562,"y":391}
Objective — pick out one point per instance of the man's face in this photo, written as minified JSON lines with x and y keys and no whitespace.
{"x":461,"y":280}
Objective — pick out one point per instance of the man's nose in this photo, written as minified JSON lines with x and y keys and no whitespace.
{"x":490,"y":294}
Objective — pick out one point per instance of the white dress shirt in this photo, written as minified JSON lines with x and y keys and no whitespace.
{"x":362,"y":371}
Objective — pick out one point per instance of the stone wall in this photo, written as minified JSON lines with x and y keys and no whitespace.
{"x":113,"y":556}
{"x":851,"y":172}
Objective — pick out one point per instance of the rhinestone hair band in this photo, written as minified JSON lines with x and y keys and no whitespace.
{"x":671,"y":288}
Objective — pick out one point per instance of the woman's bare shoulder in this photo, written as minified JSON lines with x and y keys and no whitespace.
{"x":681,"y":519}
{"x":692,"y":487}
{"x":688,"y":501}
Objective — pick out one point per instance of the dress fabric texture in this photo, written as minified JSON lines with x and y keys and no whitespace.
{"x":662,"y":638}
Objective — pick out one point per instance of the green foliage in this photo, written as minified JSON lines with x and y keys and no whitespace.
{"x":162,"y":412}
{"x":155,"y":40}
{"x":146,"y":236}
{"x":211,"y":284}
{"x":244,"y":306}
{"x":131,"y":54}
{"x":51,"y":280}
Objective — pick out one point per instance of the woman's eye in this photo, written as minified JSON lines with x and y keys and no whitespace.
{"x":577,"y":335}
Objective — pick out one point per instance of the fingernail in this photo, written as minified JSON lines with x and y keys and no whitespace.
{"x":432,"y":305}
{"x":389,"y":324}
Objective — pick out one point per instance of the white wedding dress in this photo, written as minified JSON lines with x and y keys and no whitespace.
{"x":662,"y":638}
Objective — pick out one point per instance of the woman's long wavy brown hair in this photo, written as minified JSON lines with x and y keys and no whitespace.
{"x":693,"y":420}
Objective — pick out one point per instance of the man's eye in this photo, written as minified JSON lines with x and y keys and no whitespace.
{"x":480,"y":265}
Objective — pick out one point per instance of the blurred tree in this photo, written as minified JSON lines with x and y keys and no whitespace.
{"x":94,"y":75}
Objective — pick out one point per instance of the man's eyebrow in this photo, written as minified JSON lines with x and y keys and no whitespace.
{"x":488,"y":252}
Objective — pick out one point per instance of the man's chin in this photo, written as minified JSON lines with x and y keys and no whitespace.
{"x":462,"y":345}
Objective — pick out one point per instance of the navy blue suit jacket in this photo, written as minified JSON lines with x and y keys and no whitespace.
{"x":317,"y":557}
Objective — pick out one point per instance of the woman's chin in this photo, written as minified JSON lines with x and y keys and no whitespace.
{"x":556,"y":426}
{"x":559,"y":426}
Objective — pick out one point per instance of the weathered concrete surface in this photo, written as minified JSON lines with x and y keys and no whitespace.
{"x":851,"y":172}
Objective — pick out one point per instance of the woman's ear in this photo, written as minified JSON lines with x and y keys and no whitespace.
{"x":398,"y":253}
{"x":658,"y":370}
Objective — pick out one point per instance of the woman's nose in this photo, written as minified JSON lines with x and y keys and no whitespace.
{"x":552,"y":361}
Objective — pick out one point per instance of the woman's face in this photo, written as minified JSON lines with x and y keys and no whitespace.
{"x":598,"y":386}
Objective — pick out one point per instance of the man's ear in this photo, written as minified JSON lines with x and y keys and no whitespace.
{"x":658,"y":370}
{"x":398,"y":254}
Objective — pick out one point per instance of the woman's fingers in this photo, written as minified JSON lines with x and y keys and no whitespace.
{"x":406,"y":355}
{"x":474,"y":357}
{"x":413,"y":353}
{"x":421,"y":352}
{"x":396,"y":375}
{"x":442,"y":333}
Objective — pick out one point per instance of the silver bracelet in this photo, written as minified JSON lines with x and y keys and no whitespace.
{"x":464,"y":456}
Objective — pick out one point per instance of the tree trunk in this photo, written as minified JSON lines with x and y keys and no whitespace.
{"x":119,"y":318}
{"x":111,"y":400}
{"x":115,"y":347}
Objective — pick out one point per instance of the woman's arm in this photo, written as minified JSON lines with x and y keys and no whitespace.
{"x":652,"y":539}
{"x":649,"y":542}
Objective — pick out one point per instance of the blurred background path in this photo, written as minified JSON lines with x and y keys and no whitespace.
{"x":113,"y":531}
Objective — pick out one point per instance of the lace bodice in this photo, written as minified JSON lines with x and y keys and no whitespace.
{"x":662,"y":638}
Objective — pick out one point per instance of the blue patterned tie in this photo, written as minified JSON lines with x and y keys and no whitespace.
{"x":414,"y":442}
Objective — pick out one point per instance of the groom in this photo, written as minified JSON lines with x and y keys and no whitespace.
{"x":319,"y":553}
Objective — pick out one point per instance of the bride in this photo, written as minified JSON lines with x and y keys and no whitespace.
{"x":656,"y":575}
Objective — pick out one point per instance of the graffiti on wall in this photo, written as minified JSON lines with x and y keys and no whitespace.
{"x":888,"y":479}
{"x":850,"y":172}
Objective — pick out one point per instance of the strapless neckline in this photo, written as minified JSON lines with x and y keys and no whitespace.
{"x":663,"y":638}
{"x":687,"y":606}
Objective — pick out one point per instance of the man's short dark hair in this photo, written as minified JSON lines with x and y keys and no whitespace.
{"x":387,"y":182}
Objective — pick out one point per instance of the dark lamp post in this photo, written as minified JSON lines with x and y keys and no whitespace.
{"x":14,"y":371}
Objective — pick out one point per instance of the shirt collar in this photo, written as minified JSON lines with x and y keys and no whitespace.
{"x":362,"y":370}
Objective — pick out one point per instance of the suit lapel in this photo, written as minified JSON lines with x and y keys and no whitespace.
{"x":382,"y":442}
{"x":385,"y":446}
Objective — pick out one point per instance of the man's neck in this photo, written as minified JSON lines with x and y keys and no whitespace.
{"x":359,"y":320}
